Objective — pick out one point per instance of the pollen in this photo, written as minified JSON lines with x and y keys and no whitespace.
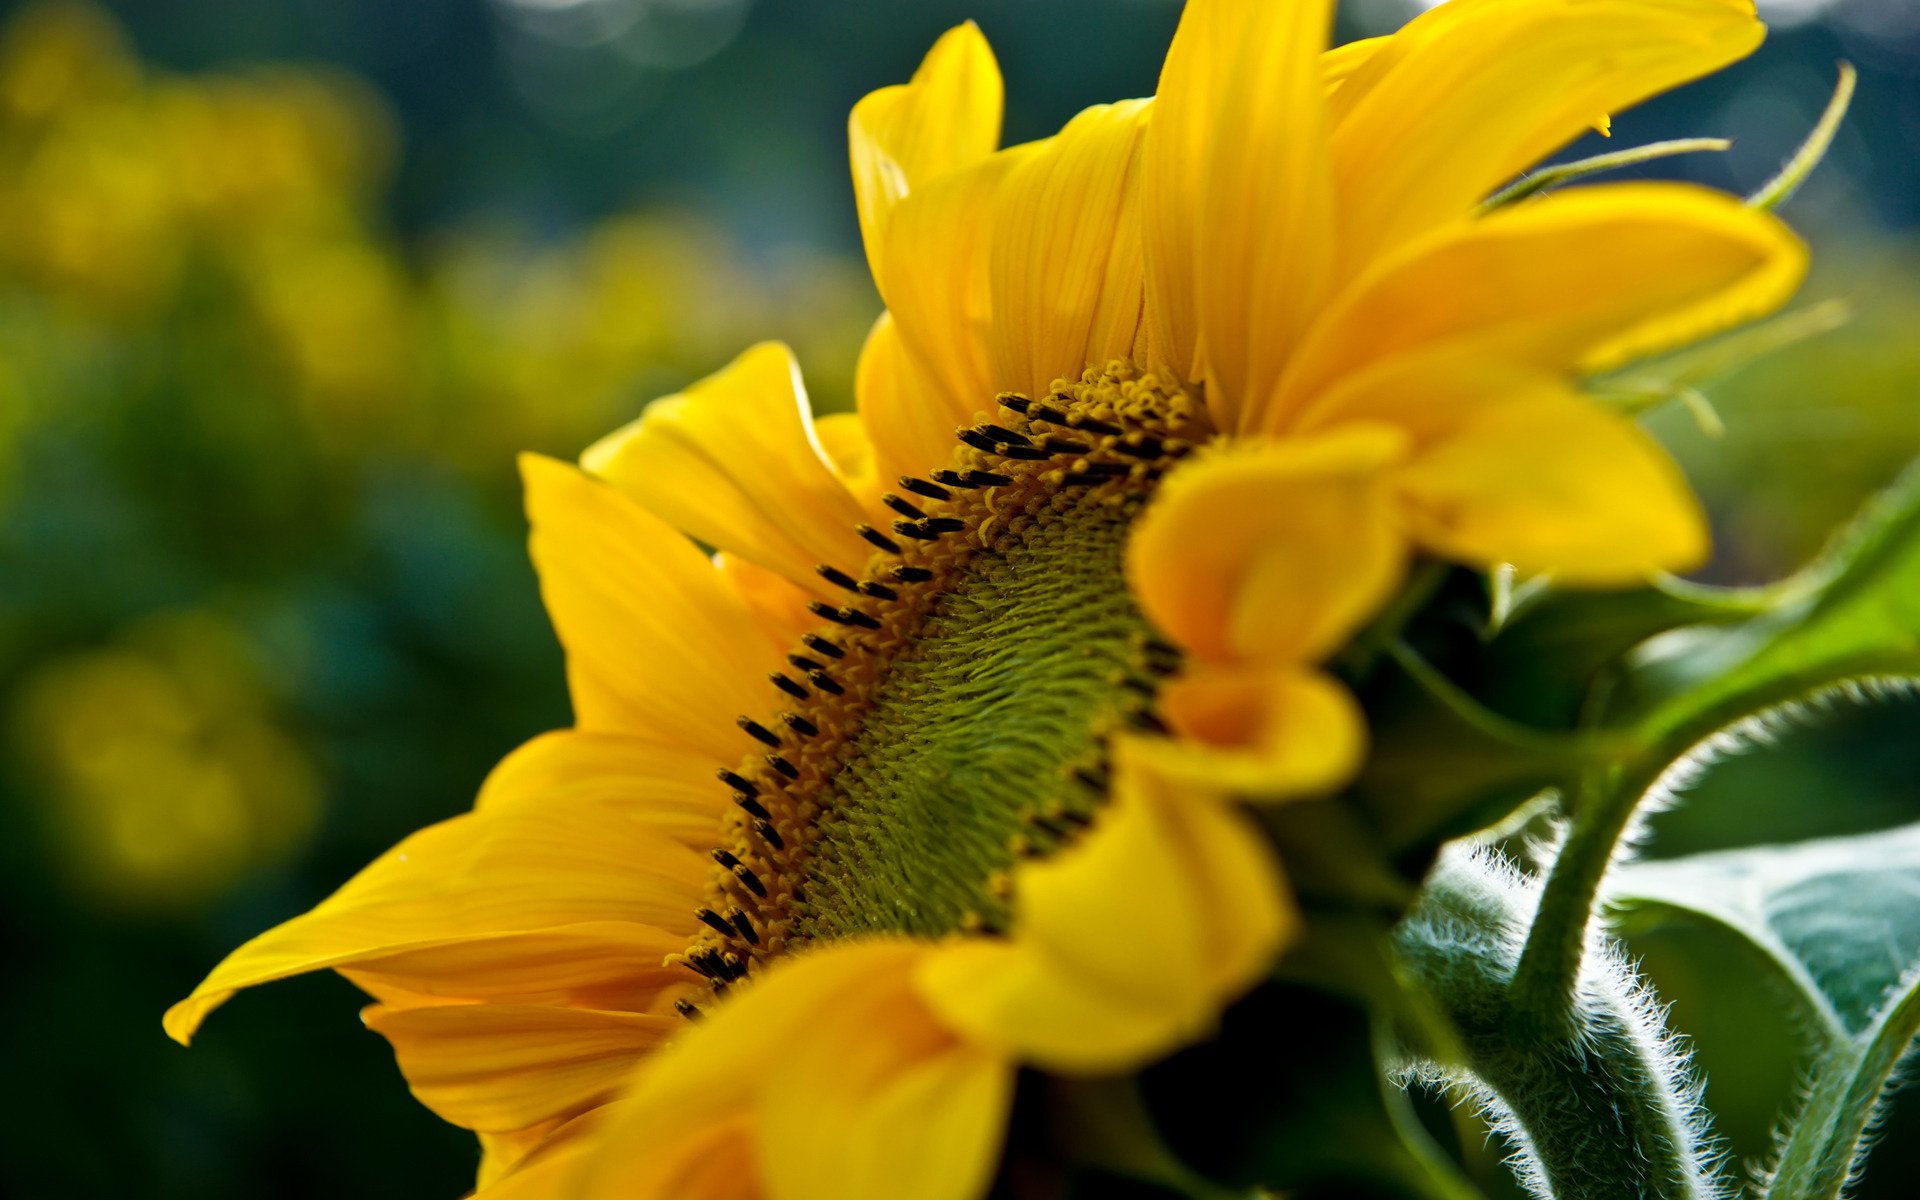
{"x":950,"y":717}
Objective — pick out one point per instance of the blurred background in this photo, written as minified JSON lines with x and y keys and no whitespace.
{"x":286,"y":284}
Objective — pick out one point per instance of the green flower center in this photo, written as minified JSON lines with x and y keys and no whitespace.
{"x":953,"y":716}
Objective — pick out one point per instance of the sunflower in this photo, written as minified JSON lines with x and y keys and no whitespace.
{"x":985,"y":706}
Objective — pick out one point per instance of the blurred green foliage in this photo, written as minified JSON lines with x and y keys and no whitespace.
{"x":263,"y":602}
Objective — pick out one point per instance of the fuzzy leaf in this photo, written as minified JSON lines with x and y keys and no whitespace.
{"x":1839,"y":921}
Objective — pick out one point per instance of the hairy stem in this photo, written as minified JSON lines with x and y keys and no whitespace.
{"x":1599,"y":1109}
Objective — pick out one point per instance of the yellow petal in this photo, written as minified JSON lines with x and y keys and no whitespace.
{"x":879,"y":1100}
{"x":1573,"y":281}
{"x":1472,"y":93}
{"x":658,"y":646}
{"x":778,"y":606}
{"x":1127,"y":944}
{"x":1267,"y":733}
{"x":907,"y":135}
{"x":909,"y":418}
{"x":603,"y":964}
{"x":819,"y":1102}
{"x":936,"y":281}
{"x":500,"y":1153}
{"x":516,"y":869}
{"x":843,"y":435}
{"x":669,"y":789}
{"x":1064,"y":238}
{"x":1239,"y":200}
{"x":1558,"y":486}
{"x":499,"y":1068}
{"x":547,"y":1168}
{"x":1271,"y":551}
{"x":734,"y":461}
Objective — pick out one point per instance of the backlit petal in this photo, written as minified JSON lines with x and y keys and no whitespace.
{"x":657,"y":644}
{"x":1064,"y":236}
{"x":516,"y":869}
{"x":909,"y":418}
{"x":936,"y":281}
{"x":502,"y":1067}
{"x":670,"y":789}
{"x":1271,"y":551}
{"x":1239,"y":202}
{"x":734,"y":462}
{"x":1573,"y":281}
{"x":907,"y":135}
{"x":1472,"y":93}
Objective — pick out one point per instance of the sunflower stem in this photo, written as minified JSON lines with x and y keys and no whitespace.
{"x":1545,"y":980}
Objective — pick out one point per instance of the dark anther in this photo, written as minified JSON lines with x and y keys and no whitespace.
{"x":1060,"y":445}
{"x":877,"y":539}
{"x":1143,"y":719}
{"x":1163,"y":666}
{"x":787,"y":685}
{"x":687,"y":1009}
{"x":751,"y":881}
{"x":976,"y":439}
{"x":903,"y":507}
{"x":752,"y":806}
{"x":1083,"y":479}
{"x":739,"y":783}
{"x":745,"y":926}
{"x":758,"y":732}
{"x":917,"y":530}
{"x":715,"y":965}
{"x":910,"y":574}
{"x":1109,"y":469}
{"x":803,"y":662}
{"x":769,"y":834}
{"x":943,"y":524}
{"x":1073,"y":818}
{"x":714,"y":921}
{"x":1048,"y":826}
{"x":719,"y":989}
{"x":951,"y":478}
{"x":981,"y":479}
{"x":1095,"y":425}
{"x":725,"y":859}
{"x":783,"y":766}
{"x":864,"y":620}
{"x":1146,"y":687}
{"x":838,"y":578}
{"x":1024,"y":453}
{"x":1014,"y":401}
{"x":825,"y":683}
{"x":1047,"y":412}
{"x":921,"y":487}
{"x":1140,"y":446}
{"x":841,"y":616}
{"x":1003,"y":435}
{"x":1098,"y":780}
{"x":879,"y":591}
{"x":799,"y":724}
{"x":821,"y":645}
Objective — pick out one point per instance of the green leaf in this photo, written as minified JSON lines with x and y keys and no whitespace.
{"x":1838,"y":920}
{"x":1854,"y":614}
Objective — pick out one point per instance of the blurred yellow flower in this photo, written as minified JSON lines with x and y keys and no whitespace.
{"x":167,"y":772}
{"x":1222,"y":362}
